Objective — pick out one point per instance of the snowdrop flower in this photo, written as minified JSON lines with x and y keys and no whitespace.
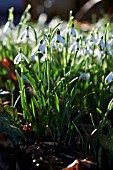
{"x":92,"y":40}
{"x":42,"y":18}
{"x":102,"y":43}
{"x":26,"y":35}
{"x":40,"y":47}
{"x":58,"y":38}
{"x":20,"y":57}
{"x":84,"y":76}
{"x":76,"y":46}
{"x":71,"y":30}
{"x":74,"y":31}
{"x":9,"y":25}
{"x":109,"y":78}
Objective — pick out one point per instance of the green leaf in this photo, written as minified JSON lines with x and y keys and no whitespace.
{"x":110,"y":106}
{"x":56,"y":102}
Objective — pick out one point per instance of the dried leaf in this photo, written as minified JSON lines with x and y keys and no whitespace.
{"x":83,"y":25}
{"x":82,"y":164}
{"x":8,"y":65}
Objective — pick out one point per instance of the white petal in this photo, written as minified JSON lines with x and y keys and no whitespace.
{"x":23,"y":35}
{"x":53,"y":40}
{"x":35,"y":50}
{"x":60,"y":39}
{"x":43,"y":58}
{"x":74,"y":32}
{"x":6,"y":26}
{"x":18,"y":58}
{"x":24,"y":57}
{"x":31,"y":36}
{"x":42,"y":48}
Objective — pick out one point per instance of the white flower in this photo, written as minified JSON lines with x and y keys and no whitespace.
{"x":19,"y":58}
{"x":40,"y":47}
{"x":102,"y":43}
{"x":42,"y":18}
{"x":74,"y":31}
{"x":26,"y":35}
{"x":92,"y":40}
{"x":76,"y":46}
{"x":58,"y":38}
{"x":71,"y":30}
{"x":8,"y":24}
{"x":109,"y":78}
{"x":43,"y":58}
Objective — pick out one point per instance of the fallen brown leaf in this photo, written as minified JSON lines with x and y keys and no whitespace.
{"x":9,"y":66}
{"x":82,"y":164}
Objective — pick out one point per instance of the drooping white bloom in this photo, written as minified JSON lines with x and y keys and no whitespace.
{"x":44,"y":57}
{"x":71,"y":31}
{"x":35,"y":57}
{"x":19,"y":58}
{"x":102,"y":43}
{"x":57,"y":38}
{"x":74,"y":31}
{"x":76,"y":46}
{"x":40,"y":47}
{"x":109,"y":78}
{"x":91,"y":39}
{"x":26,"y":35}
{"x":9,"y":25}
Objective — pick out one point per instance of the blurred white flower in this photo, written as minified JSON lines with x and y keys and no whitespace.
{"x":57,"y":38}
{"x":74,"y":31}
{"x":92,"y":40}
{"x":35,"y":57}
{"x":102,"y":43}
{"x":8,"y":25}
{"x":40,"y":47}
{"x":19,"y":58}
{"x":109,"y":78}
{"x":26,"y":35}
{"x":71,"y":30}
{"x":44,"y":57}
{"x":42,"y":18}
{"x":76,"y":46}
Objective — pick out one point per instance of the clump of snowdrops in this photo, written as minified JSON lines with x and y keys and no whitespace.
{"x":65,"y":79}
